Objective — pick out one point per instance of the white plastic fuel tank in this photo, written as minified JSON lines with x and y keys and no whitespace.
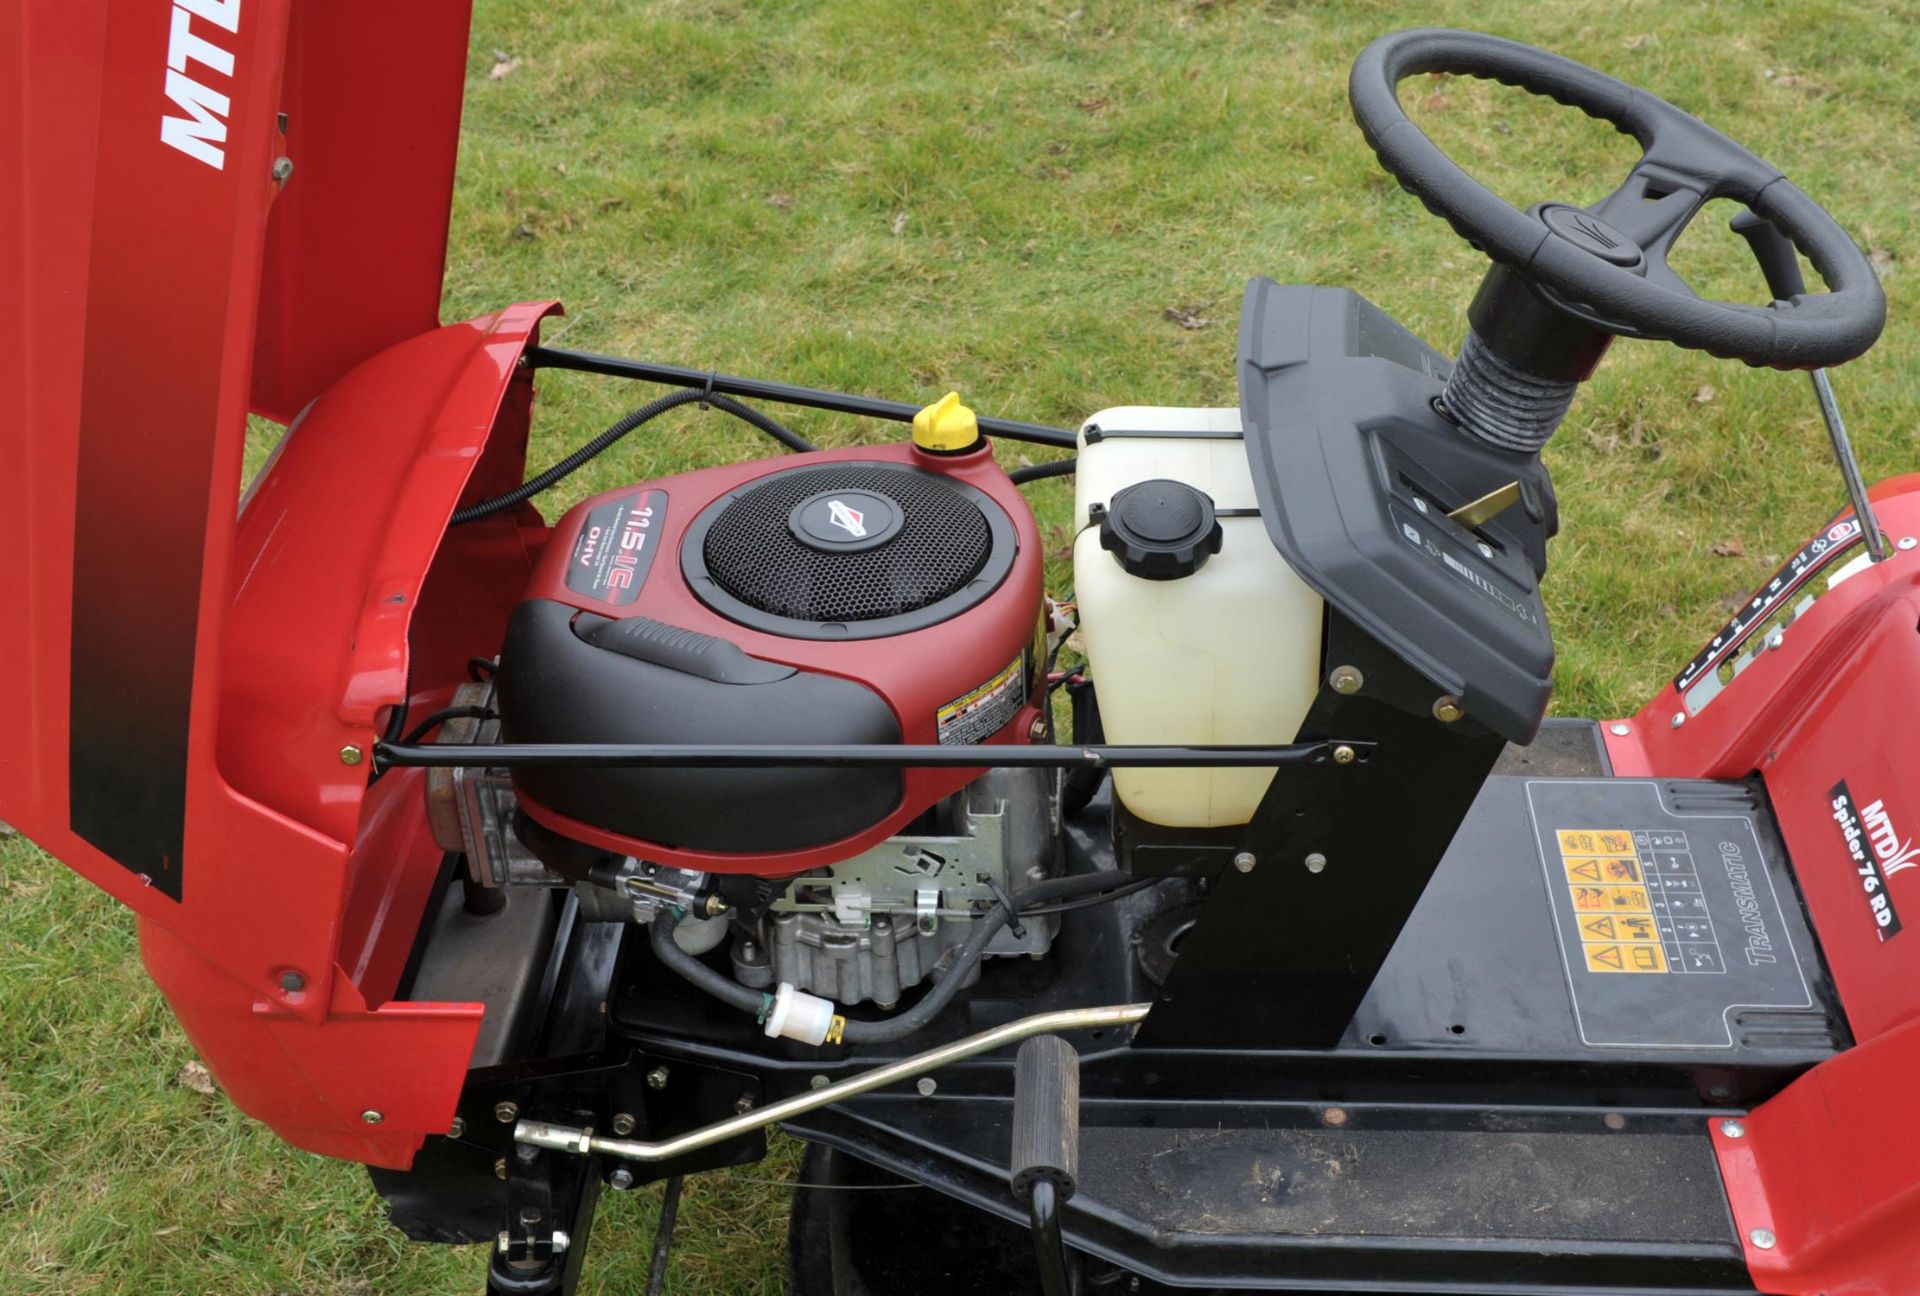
{"x":1227,"y":654}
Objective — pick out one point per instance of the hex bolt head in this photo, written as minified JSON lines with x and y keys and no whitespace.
{"x":623,"y":1124}
{"x":743,"y":1104}
{"x":1037,"y":731}
{"x":351,"y":755}
{"x":1486,"y":550}
{"x":1344,"y":755}
{"x":506,"y":1112}
{"x":1906,"y":542}
{"x":1244,"y":861}
{"x":561,"y":1242}
{"x":458,"y":1129}
{"x":292,"y":982}
{"x":505,"y":1240}
{"x":1446,"y":708}
{"x":500,"y":1169}
{"x":620,"y":1179}
{"x":1733,"y":1129}
{"x":657,"y":1078}
{"x":1762,"y":1238}
{"x":926,"y":1085}
{"x":1346,"y":679}
{"x":1619,"y":729}
{"x":372,"y":1117}
{"x":819,"y":1082}
{"x":1679,"y":718}
{"x":283,"y":169}
{"x":1316,"y":863}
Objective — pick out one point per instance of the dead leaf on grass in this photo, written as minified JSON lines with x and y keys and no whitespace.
{"x":900,"y":220}
{"x":1187,"y":317}
{"x":780,"y":200}
{"x":195,"y":1076}
{"x":504,"y":66}
{"x":1729,"y":548}
{"x":1093,"y":106}
{"x":1706,"y":394}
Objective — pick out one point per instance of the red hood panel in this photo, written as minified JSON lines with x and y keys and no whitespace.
{"x":358,"y":238}
{"x":139,"y":202}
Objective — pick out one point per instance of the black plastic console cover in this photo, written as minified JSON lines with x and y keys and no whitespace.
{"x":570,"y":677}
{"x":1356,"y":473}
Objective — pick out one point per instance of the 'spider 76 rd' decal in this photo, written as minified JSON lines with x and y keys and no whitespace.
{"x":1877,"y":853}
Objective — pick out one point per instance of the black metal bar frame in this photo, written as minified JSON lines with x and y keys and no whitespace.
{"x":778,"y":392}
{"x":388,"y":755}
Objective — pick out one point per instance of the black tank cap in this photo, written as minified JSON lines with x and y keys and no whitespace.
{"x":1160,"y":530}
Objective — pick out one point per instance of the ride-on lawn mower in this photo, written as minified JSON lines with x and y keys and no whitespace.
{"x":1282,"y":945}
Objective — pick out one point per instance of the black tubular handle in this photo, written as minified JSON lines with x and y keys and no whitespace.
{"x":1046,"y":1117}
{"x":1684,"y":164}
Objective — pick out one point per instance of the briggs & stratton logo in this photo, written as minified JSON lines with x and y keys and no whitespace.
{"x":850,"y":520}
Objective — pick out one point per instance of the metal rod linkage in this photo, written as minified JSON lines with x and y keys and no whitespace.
{"x":563,"y":1138}
{"x":864,"y":755}
{"x":777,"y":392}
{"x":1849,"y":466}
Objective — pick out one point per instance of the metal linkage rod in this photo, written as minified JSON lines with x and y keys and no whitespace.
{"x":563,"y":1138}
{"x":866,"y":755}
{"x":1849,"y":466}
{"x":777,"y":392}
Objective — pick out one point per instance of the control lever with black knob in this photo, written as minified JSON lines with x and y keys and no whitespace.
{"x":1780,"y":263}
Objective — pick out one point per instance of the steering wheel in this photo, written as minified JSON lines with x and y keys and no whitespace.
{"x":1607,"y":264}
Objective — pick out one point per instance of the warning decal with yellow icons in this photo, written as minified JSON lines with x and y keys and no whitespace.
{"x":1668,"y":922}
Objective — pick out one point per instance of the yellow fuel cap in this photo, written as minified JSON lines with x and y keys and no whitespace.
{"x":946,"y":426}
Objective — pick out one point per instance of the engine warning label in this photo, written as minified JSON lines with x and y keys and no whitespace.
{"x":614,"y":551}
{"x":980,"y":713}
{"x":1669,"y":922}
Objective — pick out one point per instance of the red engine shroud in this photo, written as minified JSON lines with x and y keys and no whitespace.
{"x":916,"y":673}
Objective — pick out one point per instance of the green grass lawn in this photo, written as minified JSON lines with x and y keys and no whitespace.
{"x":1014,"y":200}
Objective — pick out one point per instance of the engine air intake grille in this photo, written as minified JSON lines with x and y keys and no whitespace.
{"x":924,"y":539}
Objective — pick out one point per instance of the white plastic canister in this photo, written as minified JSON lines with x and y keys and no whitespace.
{"x":1229,"y":654}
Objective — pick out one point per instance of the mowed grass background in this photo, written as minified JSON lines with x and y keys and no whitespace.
{"x":1051,"y":207}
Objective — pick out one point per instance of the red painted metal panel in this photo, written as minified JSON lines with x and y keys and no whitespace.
{"x":357,"y":241}
{"x":1839,"y":699}
{"x":1824,"y":1178}
{"x":1828,"y":1172}
{"x":130,"y":250}
{"x":130,"y":381}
